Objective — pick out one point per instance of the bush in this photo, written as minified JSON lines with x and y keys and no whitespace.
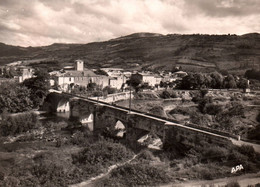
{"x":254,"y":134}
{"x":137,"y":174}
{"x":146,"y":155}
{"x":203,"y":102}
{"x":49,"y":174}
{"x":102,"y":153}
{"x":109,"y":90}
{"x":174,"y":95}
{"x":248,"y":151}
{"x":80,"y":138}
{"x":165,"y":95}
{"x":12,"y":125}
{"x":213,"y":109}
{"x":214,"y":154}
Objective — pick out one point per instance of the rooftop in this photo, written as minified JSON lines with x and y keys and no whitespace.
{"x":85,"y":73}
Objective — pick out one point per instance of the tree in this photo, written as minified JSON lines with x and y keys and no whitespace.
{"x":208,"y":81}
{"x":91,"y":86}
{"x":15,"y":98}
{"x":229,"y":82}
{"x":165,"y":94}
{"x":217,"y":80}
{"x":135,"y":81}
{"x":187,"y":82}
{"x":252,"y":74}
{"x":199,"y":80}
{"x":242,"y":83}
{"x":39,"y":86}
{"x":109,"y":90}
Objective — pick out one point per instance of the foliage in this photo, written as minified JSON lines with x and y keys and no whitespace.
{"x":199,"y":80}
{"x":217,"y":80}
{"x":242,"y":83}
{"x":48,"y":174}
{"x":102,"y":153}
{"x":203,"y":92}
{"x":39,"y":86}
{"x":165,"y":94}
{"x":15,"y":98}
{"x":183,"y":110}
{"x":109,"y":90}
{"x":203,"y":103}
{"x":146,"y":155}
{"x":79,"y":90}
{"x":213,"y":109}
{"x":80,"y":138}
{"x":215,"y":154}
{"x":135,"y":81}
{"x":252,"y":74}
{"x":229,"y":82}
{"x":137,"y":174}
{"x":157,"y":110}
{"x":254,"y":134}
{"x":92,"y":86}
{"x":11,"y":125}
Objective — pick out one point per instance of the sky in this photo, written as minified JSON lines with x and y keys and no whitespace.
{"x":43,"y":22}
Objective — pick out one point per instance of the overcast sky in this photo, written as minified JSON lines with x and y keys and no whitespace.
{"x":43,"y":22}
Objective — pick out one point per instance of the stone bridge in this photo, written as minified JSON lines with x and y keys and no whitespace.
{"x":137,"y":124}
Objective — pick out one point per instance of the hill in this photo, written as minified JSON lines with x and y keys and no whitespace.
{"x":150,"y":51}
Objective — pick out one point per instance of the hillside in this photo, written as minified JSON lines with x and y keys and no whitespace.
{"x":151,"y":51}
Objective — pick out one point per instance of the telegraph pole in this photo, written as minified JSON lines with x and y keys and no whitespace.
{"x":130,"y":100}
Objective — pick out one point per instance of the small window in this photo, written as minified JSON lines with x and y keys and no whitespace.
{"x":70,"y":79}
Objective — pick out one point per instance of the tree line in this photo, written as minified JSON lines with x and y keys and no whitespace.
{"x":213,"y":80}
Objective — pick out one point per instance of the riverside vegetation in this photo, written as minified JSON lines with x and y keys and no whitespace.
{"x":56,"y":154}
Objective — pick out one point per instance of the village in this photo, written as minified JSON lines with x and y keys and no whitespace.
{"x":79,"y":75}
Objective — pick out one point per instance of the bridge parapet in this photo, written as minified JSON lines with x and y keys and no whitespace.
{"x":105,"y":115}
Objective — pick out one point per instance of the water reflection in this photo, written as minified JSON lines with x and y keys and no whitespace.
{"x":54,"y":117}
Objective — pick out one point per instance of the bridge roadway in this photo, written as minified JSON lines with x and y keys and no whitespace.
{"x":151,"y":116}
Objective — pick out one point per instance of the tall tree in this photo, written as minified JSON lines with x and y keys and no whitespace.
{"x":15,"y":98}
{"x":229,"y":82}
{"x":217,"y":80}
{"x":39,"y":86}
{"x":242,"y":83}
{"x":135,"y":81}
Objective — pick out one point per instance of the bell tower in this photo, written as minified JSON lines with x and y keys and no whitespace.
{"x":79,"y":65}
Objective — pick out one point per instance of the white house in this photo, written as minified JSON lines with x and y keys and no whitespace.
{"x":26,"y":73}
{"x":117,"y":82}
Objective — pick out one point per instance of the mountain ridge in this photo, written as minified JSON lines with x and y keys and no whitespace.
{"x":152,"y":51}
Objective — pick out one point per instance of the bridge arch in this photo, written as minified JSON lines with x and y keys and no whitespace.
{"x":88,"y":120}
{"x":120,"y":128}
{"x":63,"y":106}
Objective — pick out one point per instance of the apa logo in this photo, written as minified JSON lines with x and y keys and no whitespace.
{"x":237,"y":168}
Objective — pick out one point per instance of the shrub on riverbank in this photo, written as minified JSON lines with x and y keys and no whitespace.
{"x":137,"y":174}
{"x":12,"y":125}
{"x":100,"y":155}
{"x":103,"y":153}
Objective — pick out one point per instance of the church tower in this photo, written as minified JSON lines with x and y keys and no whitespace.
{"x":79,"y":65}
